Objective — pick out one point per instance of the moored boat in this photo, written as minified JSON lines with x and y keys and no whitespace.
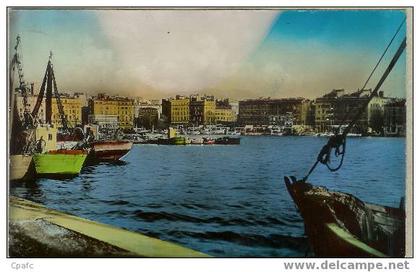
{"x":197,"y":141}
{"x":178,"y":140}
{"x":110,"y":150}
{"x":208,"y":141}
{"x":59,"y":162}
{"x":21,"y":167}
{"x":341,"y":225}
{"x":228,"y":141}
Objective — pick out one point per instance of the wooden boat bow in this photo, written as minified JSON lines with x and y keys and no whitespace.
{"x":380,"y":230}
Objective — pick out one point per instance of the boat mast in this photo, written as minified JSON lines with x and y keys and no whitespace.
{"x":49,"y":85}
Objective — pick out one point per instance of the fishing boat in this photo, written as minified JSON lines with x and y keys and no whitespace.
{"x":48,"y":160}
{"x":109,"y":150}
{"x":228,"y":141}
{"x":21,"y":167}
{"x":59,"y":162}
{"x":341,"y":225}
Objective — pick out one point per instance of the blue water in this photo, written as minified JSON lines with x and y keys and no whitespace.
{"x":222,"y":200}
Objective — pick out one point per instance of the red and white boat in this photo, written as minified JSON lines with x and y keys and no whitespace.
{"x":110,"y":150}
{"x":208,"y":141}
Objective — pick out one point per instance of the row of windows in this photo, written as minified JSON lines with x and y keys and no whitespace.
{"x":73,"y":117}
{"x":180,"y":119}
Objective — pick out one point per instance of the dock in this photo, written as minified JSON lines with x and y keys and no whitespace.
{"x":37,"y":231}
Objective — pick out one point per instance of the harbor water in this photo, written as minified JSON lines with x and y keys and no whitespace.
{"x":223,"y":200}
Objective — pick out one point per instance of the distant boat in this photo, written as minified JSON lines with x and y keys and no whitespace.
{"x":179,"y":140}
{"x":198,"y":141}
{"x":325,"y":134}
{"x":233,"y":133}
{"x":354,"y":135}
{"x":228,"y":141}
{"x":341,"y":225}
{"x":208,"y":141}
{"x":59,"y":162}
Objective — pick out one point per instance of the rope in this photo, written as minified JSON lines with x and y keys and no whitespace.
{"x":372,"y":72}
{"x":338,"y":141}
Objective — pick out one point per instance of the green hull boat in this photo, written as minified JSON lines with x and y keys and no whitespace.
{"x":59,"y":163}
{"x":173,"y":141}
{"x":178,"y":141}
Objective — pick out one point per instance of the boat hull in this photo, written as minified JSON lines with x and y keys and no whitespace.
{"x":228,"y":141}
{"x":173,"y":141}
{"x":110,"y":150}
{"x":21,"y":167}
{"x":178,"y":141}
{"x":341,"y":225}
{"x":59,"y":164}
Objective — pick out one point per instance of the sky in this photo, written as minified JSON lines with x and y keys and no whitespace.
{"x":229,"y":53}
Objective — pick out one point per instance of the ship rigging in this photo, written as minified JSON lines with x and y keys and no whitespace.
{"x":340,"y":224}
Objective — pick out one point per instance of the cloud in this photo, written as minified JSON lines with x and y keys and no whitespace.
{"x":159,"y":53}
{"x":180,"y":50}
{"x":308,"y":69}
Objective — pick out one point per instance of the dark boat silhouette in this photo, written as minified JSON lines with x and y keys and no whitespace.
{"x":341,"y":225}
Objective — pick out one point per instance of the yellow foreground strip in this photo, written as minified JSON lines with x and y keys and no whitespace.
{"x":137,"y":243}
{"x":351,"y":239}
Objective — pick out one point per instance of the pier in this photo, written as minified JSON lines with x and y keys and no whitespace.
{"x":37,"y":231}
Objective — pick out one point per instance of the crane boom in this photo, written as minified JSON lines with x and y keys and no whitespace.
{"x":23,"y":88}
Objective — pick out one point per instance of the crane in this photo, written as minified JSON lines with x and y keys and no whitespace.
{"x":28,"y":121}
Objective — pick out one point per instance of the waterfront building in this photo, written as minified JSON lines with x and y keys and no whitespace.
{"x":267,"y":111}
{"x":147,"y":117}
{"x":123,"y":107}
{"x":105,"y":122}
{"x":395,"y":117}
{"x":83,"y":98}
{"x":308,"y":113}
{"x":156,"y":103}
{"x":176,"y":110}
{"x":140,"y":103}
{"x":324,"y":110}
{"x":223,"y":113}
{"x":85,"y":115}
{"x":202,"y":110}
{"x":235,"y":106}
{"x":340,"y":108}
{"x":72,"y":106}
{"x":375,"y":113}
{"x":348,"y":106}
